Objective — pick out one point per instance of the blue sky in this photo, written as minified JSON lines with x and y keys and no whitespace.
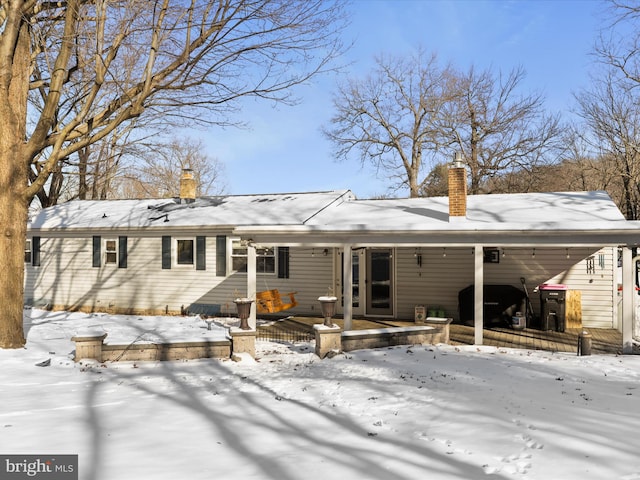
{"x":284,"y":150}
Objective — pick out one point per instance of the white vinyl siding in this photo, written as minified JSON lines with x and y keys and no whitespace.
{"x":310,"y":276}
{"x":66,"y":278}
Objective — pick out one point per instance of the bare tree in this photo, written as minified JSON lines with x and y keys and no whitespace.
{"x":437,"y":183}
{"x":411,"y":114}
{"x":157,"y":174}
{"x":610,"y":111}
{"x":391,"y":119}
{"x":499,"y":130}
{"x":92,"y":66}
{"x":611,"y":134}
{"x":92,"y":172}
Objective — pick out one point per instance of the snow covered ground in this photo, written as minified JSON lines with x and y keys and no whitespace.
{"x":419,"y":412}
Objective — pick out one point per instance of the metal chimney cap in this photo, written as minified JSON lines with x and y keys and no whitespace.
{"x":458,"y":161}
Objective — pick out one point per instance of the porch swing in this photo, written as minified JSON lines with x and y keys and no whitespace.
{"x":270,"y":301}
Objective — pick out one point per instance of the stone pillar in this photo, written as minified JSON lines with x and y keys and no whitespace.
{"x":327,"y":339}
{"x":243,"y":341}
{"x":89,"y":346}
{"x":442,"y":324}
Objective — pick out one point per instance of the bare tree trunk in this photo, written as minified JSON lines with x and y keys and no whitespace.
{"x":474,"y":163}
{"x":97,"y":65}
{"x":14,"y":174}
{"x":13,"y":215}
{"x":83,"y":162}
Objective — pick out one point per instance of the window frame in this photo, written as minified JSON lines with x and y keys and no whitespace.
{"x":176,"y":250}
{"x":106,"y":251}
{"x":236,"y":244}
{"x":28,"y":250}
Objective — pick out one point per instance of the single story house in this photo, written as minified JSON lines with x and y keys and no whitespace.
{"x":381,"y":258}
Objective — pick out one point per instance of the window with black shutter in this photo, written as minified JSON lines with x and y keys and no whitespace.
{"x":283,"y":262}
{"x":166,"y":252}
{"x":122,"y":252}
{"x":201,"y":253}
{"x":97,"y":251}
{"x":221,"y":256}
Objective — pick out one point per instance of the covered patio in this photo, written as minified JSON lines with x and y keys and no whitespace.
{"x":487,"y":226}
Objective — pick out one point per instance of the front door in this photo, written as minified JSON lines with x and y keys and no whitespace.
{"x":379,"y":281}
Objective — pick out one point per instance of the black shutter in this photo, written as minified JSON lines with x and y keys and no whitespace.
{"x":35,"y":251}
{"x":283,"y":262}
{"x":166,"y":252}
{"x":97,"y":243}
{"x":201,"y":253}
{"x":221,"y":256}
{"x":122,"y":252}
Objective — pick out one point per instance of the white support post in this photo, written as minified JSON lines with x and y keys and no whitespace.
{"x":251,"y":283}
{"x":628,"y":290}
{"x":347,"y":287}
{"x":478,"y":294}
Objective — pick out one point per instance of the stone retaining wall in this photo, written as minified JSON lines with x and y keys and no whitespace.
{"x":166,"y":351}
{"x":93,"y":347}
{"x":386,"y":337}
{"x":328,"y":339}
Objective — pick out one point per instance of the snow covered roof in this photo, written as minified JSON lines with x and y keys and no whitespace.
{"x":223,"y":211}
{"x":503,"y":211}
{"x":338,"y":216}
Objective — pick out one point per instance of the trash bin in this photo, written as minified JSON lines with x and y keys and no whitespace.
{"x":553,"y":300}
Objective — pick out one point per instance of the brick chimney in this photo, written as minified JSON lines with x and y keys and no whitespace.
{"x":187,"y":186}
{"x":457,"y":189}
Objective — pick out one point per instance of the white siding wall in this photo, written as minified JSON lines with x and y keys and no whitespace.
{"x":66,"y":278}
{"x":436,"y":283}
{"x":310,"y":274}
